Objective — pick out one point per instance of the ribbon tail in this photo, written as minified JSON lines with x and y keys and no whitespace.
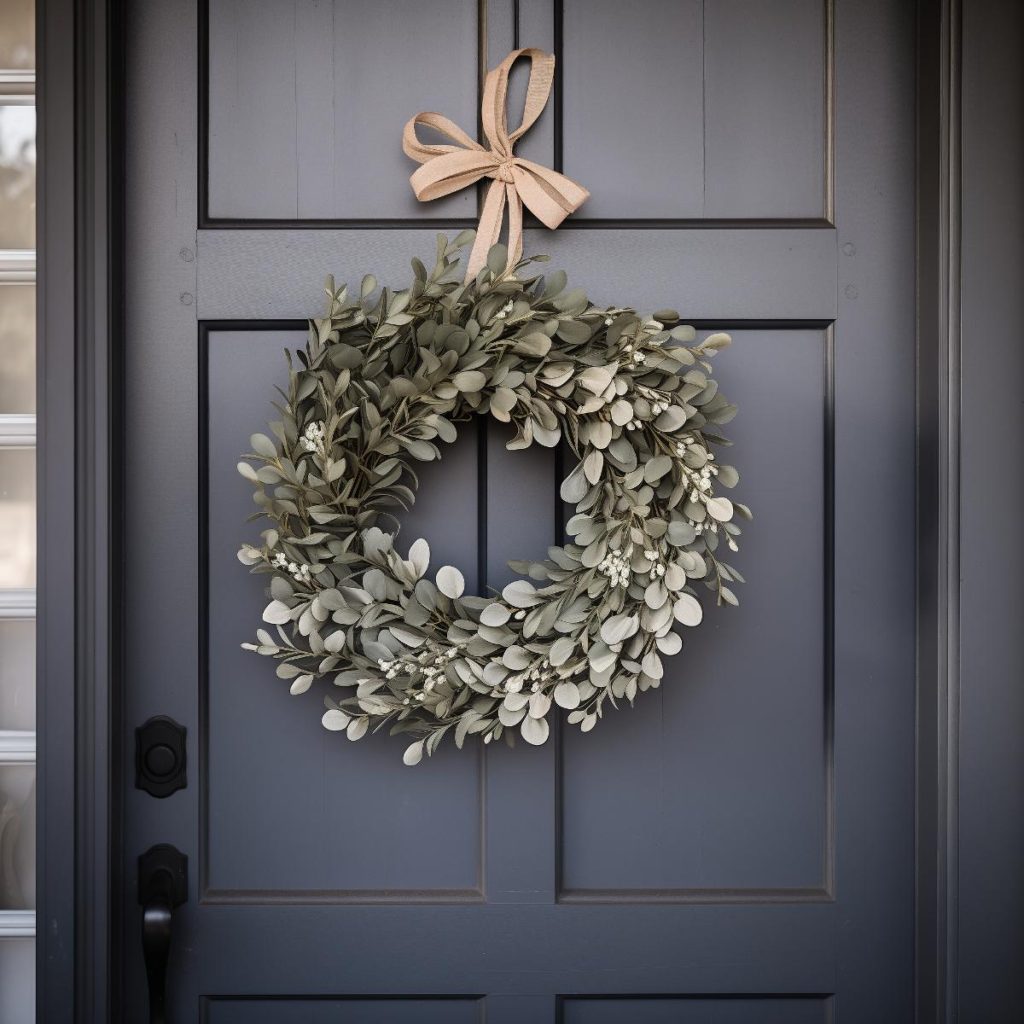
{"x":548,"y":195}
{"x":488,"y":230}
{"x":515,"y":226}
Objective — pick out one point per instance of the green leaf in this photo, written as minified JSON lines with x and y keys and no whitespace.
{"x":497,"y":258}
{"x":656,"y":468}
{"x":619,"y":628}
{"x":687,"y":610}
{"x":277,"y":613}
{"x":495,"y":614}
{"x":567,"y":695}
{"x":335,"y":720}
{"x":720,"y":509}
{"x":535,"y":344}
{"x":469,"y":380}
{"x":574,"y":487}
{"x":262,"y":445}
{"x":300,"y":684}
{"x":419,"y":555}
{"x":450,"y":581}
{"x":534,"y":730}
{"x":593,"y":465}
{"x":521,"y":594}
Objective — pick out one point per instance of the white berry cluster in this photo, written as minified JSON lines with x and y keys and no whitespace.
{"x":658,"y":399}
{"x":616,"y":567}
{"x":313,"y":439}
{"x":657,"y":565}
{"x":299,"y":571}
{"x":430,"y":666}
{"x":536,"y":677}
{"x":505,"y":310}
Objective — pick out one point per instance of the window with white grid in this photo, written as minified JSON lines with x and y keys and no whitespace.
{"x":17,"y":510}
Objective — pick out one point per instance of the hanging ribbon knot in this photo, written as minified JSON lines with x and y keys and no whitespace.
{"x":548,"y":195}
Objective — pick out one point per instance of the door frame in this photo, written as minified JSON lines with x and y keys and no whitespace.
{"x":81,"y":134}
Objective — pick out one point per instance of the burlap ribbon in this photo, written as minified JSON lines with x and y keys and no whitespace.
{"x":548,"y":195}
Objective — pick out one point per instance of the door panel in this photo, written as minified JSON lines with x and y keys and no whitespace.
{"x":299,"y":92}
{"x":698,"y":1010}
{"x":735,"y":805}
{"x":336,"y":1011}
{"x":315,"y":803}
{"x":688,"y":126}
{"x":739,"y":846}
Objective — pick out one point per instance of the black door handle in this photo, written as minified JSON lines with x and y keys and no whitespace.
{"x":163,"y":885}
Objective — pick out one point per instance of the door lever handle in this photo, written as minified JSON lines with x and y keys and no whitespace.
{"x":163,"y":885}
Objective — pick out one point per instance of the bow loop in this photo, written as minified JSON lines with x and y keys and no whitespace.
{"x":446,"y":169}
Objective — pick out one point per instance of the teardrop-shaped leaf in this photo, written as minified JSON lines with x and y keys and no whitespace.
{"x":593,"y":465}
{"x":567,"y":695}
{"x":277,"y":613}
{"x":574,"y":486}
{"x":419,"y":555}
{"x":300,"y":684}
{"x":720,"y":509}
{"x":618,"y":628}
{"x":469,"y":380}
{"x":495,"y":614}
{"x":534,"y":730}
{"x":687,"y":610}
{"x":450,"y":581}
{"x":521,"y":594}
{"x":656,"y":468}
{"x":535,"y":344}
{"x":262,"y":445}
{"x":561,"y":650}
{"x":335,"y":720}
{"x":540,"y":704}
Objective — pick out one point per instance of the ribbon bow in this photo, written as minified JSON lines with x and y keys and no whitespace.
{"x":548,"y":195}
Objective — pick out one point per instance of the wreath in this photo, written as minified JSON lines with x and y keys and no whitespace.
{"x":382,"y":379}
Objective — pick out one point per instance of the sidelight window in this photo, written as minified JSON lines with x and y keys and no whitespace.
{"x":17,"y":510}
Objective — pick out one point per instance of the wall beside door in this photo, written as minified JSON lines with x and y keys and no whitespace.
{"x":990,"y":921}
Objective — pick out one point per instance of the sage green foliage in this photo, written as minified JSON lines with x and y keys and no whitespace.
{"x":385,"y":377}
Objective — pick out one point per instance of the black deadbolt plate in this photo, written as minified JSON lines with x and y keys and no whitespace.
{"x":160,"y":756}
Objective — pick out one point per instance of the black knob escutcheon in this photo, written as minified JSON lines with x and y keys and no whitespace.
{"x":160,"y":756}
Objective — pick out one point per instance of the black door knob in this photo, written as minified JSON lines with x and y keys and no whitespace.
{"x":160,"y":756}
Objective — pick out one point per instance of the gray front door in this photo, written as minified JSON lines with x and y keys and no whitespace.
{"x":737,"y":848}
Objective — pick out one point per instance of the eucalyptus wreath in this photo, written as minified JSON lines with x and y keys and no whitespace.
{"x":387,"y":375}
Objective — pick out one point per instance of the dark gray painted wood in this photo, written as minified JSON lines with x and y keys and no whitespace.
{"x":337,"y":1011}
{"x":767,"y":70}
{"x":696,"y":110}
{"x":79,"y":330}
{"x":874,"y":507}
{"x":532,"y":936}
{"x":325,"y":809}
{"x":697,"y":1010}
{"x":731,"y":802}
{"x":990,"y":925}
{"x":785,"y":273}
{"x":307,"y":101}
{"x":634,"y":119}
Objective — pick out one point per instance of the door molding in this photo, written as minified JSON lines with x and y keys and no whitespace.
{"x":81,"y":215}
{"x":938,"y":505}
{"x":79,"y":303}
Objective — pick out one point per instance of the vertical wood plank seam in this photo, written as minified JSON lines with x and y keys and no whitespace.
{"x":949,"y":536}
